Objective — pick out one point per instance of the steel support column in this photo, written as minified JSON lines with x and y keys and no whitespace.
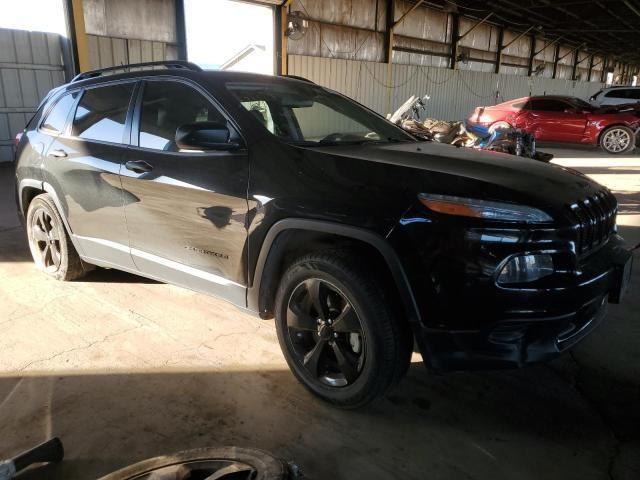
{"x":499,"y":51}
{"x":74,"y":14}
{"x":455,"y":34}
{"x":556,"y":57}
{"x":532,"y":55}
{"x":282,"y":57}
{"x":181,"y":30}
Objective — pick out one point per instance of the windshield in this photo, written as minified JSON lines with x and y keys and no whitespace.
{"x":306,"y":114}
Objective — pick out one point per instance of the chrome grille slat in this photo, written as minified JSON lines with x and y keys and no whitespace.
{"x":595,"y":218}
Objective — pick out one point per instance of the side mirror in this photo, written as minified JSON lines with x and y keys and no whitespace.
{"x":204,"y":136}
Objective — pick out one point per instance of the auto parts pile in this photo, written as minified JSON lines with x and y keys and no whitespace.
{"x":510,"y":140}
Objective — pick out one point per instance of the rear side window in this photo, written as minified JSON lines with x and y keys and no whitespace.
{"x":616,"y":94}
{"x":168,"y":105}
{"x":628,"y":93}
{"x":57,"y":117}
{"x":102,"y":113}
{"x":547,"y":105}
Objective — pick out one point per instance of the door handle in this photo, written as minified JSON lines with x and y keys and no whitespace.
{"x":58,"y":153}
{"x":138,"y":166}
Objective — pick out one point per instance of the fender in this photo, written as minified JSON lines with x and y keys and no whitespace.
{"x":376,"y":241}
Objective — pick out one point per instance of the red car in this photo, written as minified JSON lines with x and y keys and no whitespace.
{"x":565,"y":119}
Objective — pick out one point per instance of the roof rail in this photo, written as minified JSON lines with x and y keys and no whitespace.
{"x":298,"y":77}
{"x":180,"y":64}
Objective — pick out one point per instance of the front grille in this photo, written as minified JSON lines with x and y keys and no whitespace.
{"x":595,"y":218}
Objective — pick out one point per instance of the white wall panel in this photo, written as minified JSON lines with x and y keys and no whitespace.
{"x":30,"y":66}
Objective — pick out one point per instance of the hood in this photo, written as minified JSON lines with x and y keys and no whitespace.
{"x":630,"y":108}
{"x":511,"y":178}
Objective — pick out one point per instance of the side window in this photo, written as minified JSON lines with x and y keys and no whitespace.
{"x":547,"y":105}
{"x":102,"y":113}
{"x":634,"y":94}
{"x":260,"y":109}
{"x":618,"y":93}
{"x":57,"y":117}
{"x":168,"y":105}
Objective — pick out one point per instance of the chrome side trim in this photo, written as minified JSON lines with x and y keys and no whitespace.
{"x":169,"y":264}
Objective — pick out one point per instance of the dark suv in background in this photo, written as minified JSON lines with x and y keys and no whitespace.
{"x":293,"y":201}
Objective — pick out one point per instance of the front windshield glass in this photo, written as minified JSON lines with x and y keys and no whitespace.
{"x":306,"y":114}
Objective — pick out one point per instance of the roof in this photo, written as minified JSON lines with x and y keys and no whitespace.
{"x":605,"y":27}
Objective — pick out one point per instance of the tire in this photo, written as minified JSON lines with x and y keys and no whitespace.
{"x":495,"y":126}
{"x":50,"y":245}
{"x":617,"y":139}
{"x":367,"y":349}
{"x":210,"y":460}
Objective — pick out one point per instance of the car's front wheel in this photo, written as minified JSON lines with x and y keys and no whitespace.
{"x":51,"y":247}
{"x":617,"y":139}
{"x":339,"y":330}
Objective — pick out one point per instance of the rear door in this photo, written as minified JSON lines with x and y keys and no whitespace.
{"x":83,"y":166}
{"x":187,"y":224}
{"x":555,"y":120}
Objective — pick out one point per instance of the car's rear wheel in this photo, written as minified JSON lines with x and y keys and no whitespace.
{"x":51,"y":247}
{"x":339,"y":330}
{"x":617,"y":139}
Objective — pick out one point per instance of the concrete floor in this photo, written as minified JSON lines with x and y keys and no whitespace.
{"x":123,"y":368}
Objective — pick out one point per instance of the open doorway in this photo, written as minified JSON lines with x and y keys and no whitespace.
{"x":230,"y":35}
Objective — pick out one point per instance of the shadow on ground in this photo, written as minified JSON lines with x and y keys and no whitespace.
{"x":532,"y":423}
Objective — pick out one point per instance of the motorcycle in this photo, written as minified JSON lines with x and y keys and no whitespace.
{"x":461,"y":134}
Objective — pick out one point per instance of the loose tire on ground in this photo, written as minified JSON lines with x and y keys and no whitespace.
{"x":226,"y":462}
{"x":367,"y":348}
{"x":50,"y":245}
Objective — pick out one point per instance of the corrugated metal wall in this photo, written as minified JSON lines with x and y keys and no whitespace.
{"x":454,"y":93}
{"x":30,"y":65}
{"x":110,"y":51}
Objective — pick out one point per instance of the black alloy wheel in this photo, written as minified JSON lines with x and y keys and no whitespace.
{"x":325,"y":332}
{"x":51,"y":247}
{"x":45,"y":240}
{"x":340,"y":327}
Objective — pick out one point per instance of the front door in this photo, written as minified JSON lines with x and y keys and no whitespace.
{"x":553,"y":120}
{"x":187,"y":224}
{"x":83,"y":164}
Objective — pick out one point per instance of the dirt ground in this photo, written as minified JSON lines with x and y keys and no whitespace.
{"x":123,"y":368}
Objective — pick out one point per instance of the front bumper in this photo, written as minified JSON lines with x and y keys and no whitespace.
{"x":474,"y":323}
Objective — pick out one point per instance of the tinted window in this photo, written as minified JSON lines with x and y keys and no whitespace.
{"x":618,"y":93}
{"x":168,"y":105}
{"x":519,"y":105}
{"x":102,"y":112}
{"x":57,"y":117}
{"x":547,"y":105}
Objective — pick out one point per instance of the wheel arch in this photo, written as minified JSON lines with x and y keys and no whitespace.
{"x":274,"y":251}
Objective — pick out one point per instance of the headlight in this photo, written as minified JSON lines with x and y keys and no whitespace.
{"x":470,"y":207}
{"x":526,"y":268}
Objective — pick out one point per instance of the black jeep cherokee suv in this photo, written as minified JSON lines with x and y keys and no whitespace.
{"x":293,"y":201}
